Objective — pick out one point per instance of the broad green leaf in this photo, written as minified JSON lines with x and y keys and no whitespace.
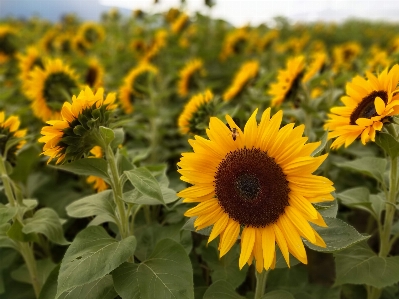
{"x":358,"y":197}
{"x":388,"y":143}
{"x":7,"y":213}
{"x":278,"y":294}
{"x":337,"y":236}
{"x":189,"y":225}
{"x":322,"y":145}
{"x":378,"y":203}
{"x":221,"y":289}
{"x":167,"y":273}
{"x":328,"y":208}
{"x":88,"y":166}
{"x":28,"y":205}
{"x":5,"y":241}
{"x":119,"y":137}
{"x":134,"y":196}
{"x":46,"y":222}
{"x":92,"y":255}
{"x":360,"y":265}
{"x":371,"y":166}
{"x":142,"y":179}
{"x":15,"y":232}
{"x":44,"y":268}
{"x":99,"y":204}
{"x":107,"y":134}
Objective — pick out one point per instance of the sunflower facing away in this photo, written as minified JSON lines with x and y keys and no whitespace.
{"x":76,"y":133}
{"x":288,"y":80}
{"x":367,"y":105}
{"x":186,"y":75}
{"x":50,"y":87}
{"x":260,"y":184}
{"x":9,"y":130}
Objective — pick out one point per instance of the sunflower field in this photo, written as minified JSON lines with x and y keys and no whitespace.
{"x":157,"y":156}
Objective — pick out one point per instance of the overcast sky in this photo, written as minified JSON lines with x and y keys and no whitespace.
{"x":238,"y":12}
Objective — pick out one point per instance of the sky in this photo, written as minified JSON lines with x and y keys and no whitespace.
{"x":237,"y":12}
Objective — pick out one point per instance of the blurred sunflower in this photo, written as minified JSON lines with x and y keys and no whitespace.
{"x":186,"y":74}
{"x":265,"y":41}
{"x":77,"y":132}
{"x":133,"y":85}
{"x":64,"y":43}
{"x":28,"y":61}
{"x":50,"y":87}
{"x":172,"y":14}
{"x":319,"y":60}
{"x":345,"y":55}
{"x":196,"y":113}
{"x":294,"y":45}
{"x":288,"y":80}
{"x":179,"y":23}
{"x":367,"y":105}
{"x":9,"y":132}
{"x":98,"y":183}
{"x":91,"y":33}
{"x":378,"y":59}
{"x":8,"y":42}
{"x":48,"y":40}
{"x":159,"y":42}
{"x":94,"y":76}
{"x":261,"y":182}
{"x":234,"y":43}
{"x":247,"y":71}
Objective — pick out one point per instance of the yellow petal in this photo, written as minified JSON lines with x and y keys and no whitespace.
{"x":247,"y":245}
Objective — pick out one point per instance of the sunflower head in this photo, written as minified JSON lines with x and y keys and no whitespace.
{"x":234,"y":43}
{"x":288,"y":81}
{"x":75,"y":135}
{"x":319,"y":60}
{"x":345,"y":55}
{"x":196,"y":113}
{"x":64,"y":43}
{"x":180,"y":23}
{"x":187,"y":74}
{"x":172,"y":14}
{"x":91,"y":33}
{"x":28,"y":61}
{"x":368,"y":104}
{"x":258,"y":182}
{"x":94,"y":74}
{"x":8,"y":42}
{"x":11,"y":138}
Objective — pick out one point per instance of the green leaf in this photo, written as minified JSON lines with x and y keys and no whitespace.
{"x":370,"y":166}
{"x":142,"y":179}
{"x":167,"y":273}
{"x":46,"y":222}
{"x":134,"y":196}
{"x":337,"y":236}
{"x":7,"y":213}
{"x":119,"y":137}
{"x":5,"y":241}
{"x":328,"y":208}
{"x":322,"y":145}
{"x":360,"y":265}
{"x":88,"y":166}
{"x":99,"y":204}
{"x":388,"y":143}
{"x":107,"y":134}
{"x":358,"y":197}
{"x":221,"y":290}
{"x":189,"y":225}
{"x":15,"y":232}
{"x":278,"y":294}
{"x":92,"y":255}
{"x":44,"y":268}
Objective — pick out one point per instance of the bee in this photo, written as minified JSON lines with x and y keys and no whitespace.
{"x":234,"y":132}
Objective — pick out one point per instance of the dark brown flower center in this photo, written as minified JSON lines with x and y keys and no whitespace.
{"x":366,"y":108}
{"x":251,"y":187}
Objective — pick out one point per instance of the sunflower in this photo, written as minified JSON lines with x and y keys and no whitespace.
{"x":195,"y":113}
{"x":64,"y":43}
{"x":367,"y":106}
{"x":294,"y":45}
{"x":247,"y":71}
{"x":159,"y":42}
{"x":317,"y":65}
{"x":186,"y":75}
{"x":180,"y":23}
{"x":8,"y":43}
{"x":234,"y":43}
{"x":77,"y":133}
{"x":172,"y":14}
{"x":95,"y":73}
{"x":264,"y":42}
{"x":288,"y":80}
{"x":9,"y":131}
{"x":378,"y":59}
{"x":132,"y":85}
{"x":50,"y":87}
{"x":48,"y":41}
{"x":91,"y":33}
{"x":98,"y":183}
{"x":261,"y":182}
{"x":345,"y":55}
{"x":28,"y":61}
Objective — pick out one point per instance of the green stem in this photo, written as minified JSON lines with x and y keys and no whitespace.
{"x":27,"y":253}
{"x":7,"y":183}
{"x":390,"y":209}
{"x":117,"y":191}
{"x":260,"y":283}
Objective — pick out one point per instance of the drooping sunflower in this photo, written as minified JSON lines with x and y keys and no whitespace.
{"x":186,"y":75}
{"x":77,"y":132}
{"x":9,"y":129}
{"x":319,"y":60}
{"x":132,"y":85}
{"x":367,"y":105}
{"x":28,"y":61}
{"x":50,"y":87}
{"x":8,"y":42}
{"x":94,"y":76}
{"x":288,"y":80}
{"x":259,"y":183}
{"x":98,"y":183}
{"x":195,"y":113}
{"x":247,"y":71}
{"x":180,"y":23}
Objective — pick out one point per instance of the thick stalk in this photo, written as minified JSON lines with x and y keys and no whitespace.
{"x":27,"y":253}
{"x":260,"y":283}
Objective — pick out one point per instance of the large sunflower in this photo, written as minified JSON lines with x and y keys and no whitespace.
{"x":260,"y":182}
{"x":247,"y":71}
{"x":9,"y":130}
{"x":130,"y":90}
{"x":288,"y":80}
{"x":50,"y":87}
{"x":76,"y":133}
{"x":367,"y":105}
{"x":186,"y":75}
